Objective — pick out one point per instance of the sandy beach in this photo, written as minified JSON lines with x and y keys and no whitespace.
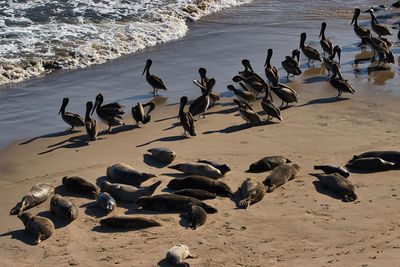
{"x":299,"y":224}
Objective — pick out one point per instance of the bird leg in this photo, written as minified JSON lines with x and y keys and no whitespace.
{"x":109,"y":129}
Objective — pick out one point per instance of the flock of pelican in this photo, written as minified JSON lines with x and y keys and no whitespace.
{"x":251,"y":83}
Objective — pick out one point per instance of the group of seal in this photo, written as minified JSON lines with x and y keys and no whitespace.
{"x":375,"y":161}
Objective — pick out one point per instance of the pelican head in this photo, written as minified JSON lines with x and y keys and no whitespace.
{"x":323,"y":27}
{"x":202,"y":72}
{"x":99,"y":100}
{"x":296,"y":53}
{"x":338,"y":50}
{"x":89,"y":106}
{"x":303,"y":37}
{"x":269,"y":55}
{"x":147,"y":67}
{"x":357,"y":12}
{"x":64,"y":104}
{"x":237,"y":78}
{"x":246,"y":64}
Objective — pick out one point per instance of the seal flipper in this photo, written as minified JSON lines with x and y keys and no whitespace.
{"x":208,"y":208}
{"x":153,"y":187}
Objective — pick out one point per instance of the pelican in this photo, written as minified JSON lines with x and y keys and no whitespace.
{"x":186,"y":118}
{"x":380,"y":49}
{"x":243,"y":96}
{"x":291,"y":65}
{"x":72,"y":119}
{"x":269,"y":107}
{"x":200,"y":104}
{"x":214,"y":96}
{"x":139,"y":115}
{"x":247,"y":73}
{"x":378,"y":28}
{"x":339,"y":83}
{"x":110,"y":113}
{"x":330,"y":61}
{"x":255,"y":85}
{"x":309,"y":51}
{"x":91,"y":124}
{"x":153,"y":80}
{"x":358,"y":29}
{"x":247,"y":113}
{"x":271,"y":71}
{"x":326,"y":44}
{"x":285,"y":93}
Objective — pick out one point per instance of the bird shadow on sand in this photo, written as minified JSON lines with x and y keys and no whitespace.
{"x":149,"y":160}
{"x":57,"y":134}
{"x":322,"y":189}
{"x":73,"y":142}
{"x":175,"y":124}
{"x":21,"y":235}
{"x":120,"y":129}
{"x":165,"y":139}
{"x":236,"y":128}
{"x":315,"y":79}
{"x":325,"y":100}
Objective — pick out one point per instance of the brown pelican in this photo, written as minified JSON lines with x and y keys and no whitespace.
{"x":291,"y":65}
{"x":330,"y":61}
{"x":309,"y":51}
{"x":339,"y":83}
{"x":186,"y":118}
{"x":247,"y":73}
{"x":358,"y":29}
{"x":271,"y":71}
{"x":214,"y":96}
{"x":255,"y":85}
{"x":378,"y":28}
{"x":139,"y":115}
{"x":269,"y":107}
{"x":326,"y":44}
{"x":110,"y":113}
{"x":91,"y":124}
{"x":243,"y":96}
{"x":285,"y":93}
{"x":72,"y":119}
{"x":247,"y":113}
{"x":200,"y":104}
{"x":153,"y":80}
{"x":380,"y":49}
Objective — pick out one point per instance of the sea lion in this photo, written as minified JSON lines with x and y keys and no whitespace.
{"x":79,"y":185}
{"x":171,"y":202}
{"x":106,"y":202}
{"x":63,"y":208}
{"x":268,"y":163}
{"x":41,"y":227}
{"x":251,"y":191}
{"x":162,"y":154}
{"x":129,"y":222}
{"x":128,"y":193}
{"x":177,"y":254}
{"x":223,"y":168}
{"x":200,"y":194}
{"x":371,"y":164}
{"x":198,"y":169}
{"x":196,"y":216}
{"x":391,"y":156}
{"x":328,"y":169}
{"x":37,"y":195}
{"x":201,"y":182}
{"x":125,"y":174}
{"x":339,"y":184}
{"x":280,"y":175}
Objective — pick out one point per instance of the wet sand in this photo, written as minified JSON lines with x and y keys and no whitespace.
{"x":300,"y":223}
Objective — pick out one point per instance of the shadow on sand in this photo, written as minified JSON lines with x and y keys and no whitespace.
{"x":326,"y":100}
{"x":165,"y":139}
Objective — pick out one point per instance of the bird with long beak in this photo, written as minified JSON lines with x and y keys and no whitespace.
{"x":91,"y":124}
{"x":330,"y":61}
{"x":326,"y":44}
{"x":378,"y":28}
{"x":358,"y":29}
{"x":310,"y":52}
{"x":291,"y":65}
{"x":340,"y":84}
{"x":153,"y":80}
{"x":72,"y":119}
{"x":139,"y":114}
{"x":186,"y":118}
{"x":271,"y":71}
{"x":109,"y":113}
{"x":246,"y":112}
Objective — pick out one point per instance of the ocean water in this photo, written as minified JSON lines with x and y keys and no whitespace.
{"x":180,"y":36}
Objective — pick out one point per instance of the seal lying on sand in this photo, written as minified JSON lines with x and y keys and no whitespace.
{"x":267,"y":163}
{"x":280,"y":175}
{"x":129,"y":222}
{"x":223,"y":168}
{"x":200,"y":194}
{"x":371,"y":164}
{"x":162,"y":154}
{"x":171,"y":202}
{"x":338,"y":184}
{"x":106,"y":202}
{"x":391,"y":156}
{"x":196,"y":216}
{"x":128,"y":193}
{"x":79,"y":185}
{"x":37,"y":195}
{"x":251,"y":191}
{"x":125,"y":174}
{"x":41,"y":227}
{"x":177,"y":254}
{"x":198,"y":169}
{"x":328,"y":169}
{"x":63,"y":208}
{"x":201,"y":182}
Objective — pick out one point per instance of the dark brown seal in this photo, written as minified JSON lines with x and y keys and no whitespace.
{"x":371,"y":164}
{"x":171,"y":202}
{"x":391,"y":156}
{"x":338,"y":184}
{"x":63,"y":208}
{"x":37,"y":195}
{"x":196,"y":216}
{"x":280,"y":175}
{"x":200,"y":194}
{"x":129,"y":222}
{"x":328,"y":169}
{"x":268,"y":163}
{"x":125,"y":174}
{"x":251,"y":191}
{"x":41,"y":227}
{"x":201,"y":182}
{"x":79,"y":185}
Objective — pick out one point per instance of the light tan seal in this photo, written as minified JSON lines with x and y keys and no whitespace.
{"x":280,"y":175}
{"x":63,"y":208}
{"x":128,"y":193}
{"x":177,"y":254}
{"x":162,"y":154}
{"x":125,"y":174}
{"x":338,"y":184}
{"x":41,"y":227}
{"x":37,"y":195}
{"x":251,"y":191}
{"x":201,"y":169}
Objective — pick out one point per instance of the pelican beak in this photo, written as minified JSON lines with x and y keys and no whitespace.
{"x":60,"y":111}
{"x":95,"y":106}
{"x":265,"y":64}
{"x":338,"y":53}
{"x":354,"y":18}
{"x":145,"y":68}
{"x":298,"y":57}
